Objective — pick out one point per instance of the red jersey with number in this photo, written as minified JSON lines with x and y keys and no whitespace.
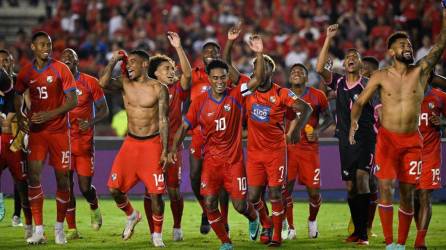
{"x":47,"y":89}
{"x":434,"y":103}
{"x":176,"y":97}
{"x":266,"y":118}
{"x":220,"y":122}
{"x":319,"y":103}
{"x":89,"y":94}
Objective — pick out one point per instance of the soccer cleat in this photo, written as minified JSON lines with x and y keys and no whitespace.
{"x":274,"y":243}
{"x":350,"y":227}
{"x":16,"y":221}
{"x":157,"y":240}
{"x":352,"y":239}
{"x":362,"y":242}
{"x":130,"y":225}
{"x":312,"y":229}
{"x":73,"y":234}
{"x":36,"y":239}
{"x":28,"y":231}
{"x":205,"y":227}
{"x":391,"y":246}
{"x":96,"y":219}
{"x":2,"y":207}
{"x":254,"y":227}
{"x":177,"y":234}
{"x":59,"y":236}
{"x":400,"y":247}
{"x":284,"y":229}
{"x":226,"y":246}
{"x":266,"y":235}
{"x":291,"y":234}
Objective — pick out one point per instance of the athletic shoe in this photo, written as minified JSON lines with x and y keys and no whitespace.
{"x":73,"y":234}
{"x":274,"y":243}
{"x":370,"y":233}
{"x":312,"y":229}
{"x":2,"y":207}
{"x":362,"y":242}
{"x":400,"y":247}
{"x":205,"y":227}
{"x":36,"y":239}
{"x":291,"y":234}
{"x":352,"y":239}
{"x":96,"y":219}
{"x":28,"y":231}
{"x":391,"y":246}
{"x":350,"y":227}
{"x":130,"y":225}
{"x":177,"y":234}
{"x":266,"y":235}
{"x":59,"y":236}
{"x":16,"y":221}
{"x":226,"y":246}
{"x":157,"y":240}
{"x":284,"y":229}
{"x":254,"y":227}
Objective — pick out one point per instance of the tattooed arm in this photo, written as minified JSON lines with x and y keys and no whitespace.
{"x":163,"y":106}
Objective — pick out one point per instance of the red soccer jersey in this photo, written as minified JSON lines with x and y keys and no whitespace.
{"x":220,"y":122}
{"x":319,"y":104}
{"x":200,"y":83}
{"x":176,"y":97}
{"x":434,"y":102}
{"x":89,"y":93}
{"x":47,"y":87}
{"x":266,"y":118}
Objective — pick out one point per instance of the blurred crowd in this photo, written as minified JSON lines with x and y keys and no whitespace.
{"x":293,"y":30}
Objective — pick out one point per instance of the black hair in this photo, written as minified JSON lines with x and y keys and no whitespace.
{"x":141,"y":53}
{"x":39,"y":34}
{"x":395,"y":36}
{"x":5,"y":51}
{"x":211,"y":43}
{"x":372,"y":60}
{"x":155,"y":62}
{"x":214,"y":64}
{"x":300,"y":65}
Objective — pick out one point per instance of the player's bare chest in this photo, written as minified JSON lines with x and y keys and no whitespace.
{"x":144,"y":98}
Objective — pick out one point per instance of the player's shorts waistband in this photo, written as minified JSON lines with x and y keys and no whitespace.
{"x":142,"y":138}
{"x":383,"y":130}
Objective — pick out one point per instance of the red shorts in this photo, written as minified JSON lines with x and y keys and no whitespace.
{"x":57,"y":144}
{"x":303,"y":164}
{"x":196,"y":144}
{"x":430,"y":170}
{"x":138,"y":160}
{"x":12,"y":160}
{"x":398,"y":156}
{"x":82,"y":155}
{"x":266,"y":168}
{"x":217,"y":174}
{"x":173,"y":172}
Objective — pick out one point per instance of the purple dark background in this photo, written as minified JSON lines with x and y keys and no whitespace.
{"x":330,"y":171}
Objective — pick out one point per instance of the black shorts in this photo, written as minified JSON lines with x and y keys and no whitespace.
{"x":353,"y":157}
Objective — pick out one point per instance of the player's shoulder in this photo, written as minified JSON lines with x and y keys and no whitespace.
{"x":25,"y":69}
{"x":438,"y":92}
{"x":58,"y":64}
{"x":88,"y":78}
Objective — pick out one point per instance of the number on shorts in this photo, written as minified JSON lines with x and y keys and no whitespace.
{"x":242,"y":186}
{"x":65,"y":157}
{"x":282,"y":172}
{"x":415,"y":168}
{"x":159,"y":178}
{"x":220,"y":124}
{"x":435,"y":175}
{"x":317,"y":172}
{"x":43,"y":94}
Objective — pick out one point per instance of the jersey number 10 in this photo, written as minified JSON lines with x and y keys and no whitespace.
{"x":220,"y":124}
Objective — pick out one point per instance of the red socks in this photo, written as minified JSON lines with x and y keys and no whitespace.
{"x":315,"y":204}
{"x":62,"y":200}
{"x":71,"y":217}
{"x":157,"y":223}
{"x":405,"y":218}
{"x":216,"y":221}
{"x":126,"y":207}
{"x":421,"y":235}
{"x":277,"y":217}
{"x":265,"y":220}
{"x":386,"y":215}
{"x":35,"y":196}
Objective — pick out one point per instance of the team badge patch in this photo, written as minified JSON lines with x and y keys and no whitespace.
{"x":49,"y":79}
{"x":78,"y":92}
{"x":260,"y":113}
{"x":227,"y":107}
{"x":272,"y":99}
{"x":113,"y":176}
{"x":431,"y":105}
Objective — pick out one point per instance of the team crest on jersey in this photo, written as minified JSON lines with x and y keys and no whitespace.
{"x":260,"y":113}
{"x":78,"y":92}
{"x":203,"y":185}
{"x":272,"y":99}
{"x":431,"y":105}
{"x":113,"y":176}
{"x":227,"y":107}
{"x":204,"y":89}
{"x":292,"y":95}
{"x":49,"y":79}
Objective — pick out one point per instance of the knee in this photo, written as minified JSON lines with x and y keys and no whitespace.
{"x":314,"y":194}
{"x":239,"y":206}
{"x":85,"y":189}
{"x":253,"y":195}
{"x":114,"y":192}
{"x":211,"y":204}
{"x":275,"y":193}
{"x":174,"y":194}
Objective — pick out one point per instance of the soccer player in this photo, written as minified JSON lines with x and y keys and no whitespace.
{"x":143,"y":155}
{"x":303,"y":157}
{"x":399,"y":144}
{"x":266,"y":163}
{"x":91,"y":108}
{"x":52,"y":90}
{"x":219,"y":113}
{"x":162,"y":68}
{"x":356,"y":160}
{"x":15,"y":161}
{"x":432,"y":107}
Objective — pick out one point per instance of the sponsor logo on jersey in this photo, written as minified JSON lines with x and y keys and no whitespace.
{"x":227,"y":107}
{"x":113,"y":176}
{"x":292,"y":95}
{"x":204,"y":89}
{"x":49,"y":79}
{"x":272,"y":99}
{"x":431,"y":105}
{"x":78,"y":92}
{"x":203,"y":185}
{"x":260,"y":113}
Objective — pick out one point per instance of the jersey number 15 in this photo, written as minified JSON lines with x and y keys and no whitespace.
{"x":43,"y":93}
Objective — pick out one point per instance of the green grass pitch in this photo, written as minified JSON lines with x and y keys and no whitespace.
{"x":332,"y":220}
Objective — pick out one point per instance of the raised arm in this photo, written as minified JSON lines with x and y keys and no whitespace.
{"x":428,"y":62}
{"x":186,"y":69}
{"x":357,"y":107}
{"x":233,"y":34}
{"x":256,"y":44}
{"x":106,"y":81}
{"x":323,"y":54}
{"x":163,"y":112}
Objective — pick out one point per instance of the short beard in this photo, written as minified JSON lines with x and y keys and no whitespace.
{"x":404,"y":60}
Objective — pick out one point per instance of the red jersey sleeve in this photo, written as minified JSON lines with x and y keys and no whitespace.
{"x":96,"y":90}
{"x":21,"y":83}
{"x":183,"y":94}
{"x":443,"y":102}
{"x":193,"y":113}
{"x":288,"y":97}
{"x":323,"y":101}
{"x":68,"y":82}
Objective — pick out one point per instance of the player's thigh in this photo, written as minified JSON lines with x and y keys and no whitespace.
{"x":309,"y":169}
{"x":38,"y":144}
{"x":59,"y":150}
{"x":149,"y":170}
{"x":212,"y":177}
{"x":292,"y":163}
{"x":235,"y":181}
{"x":123,"y":172}
{"x":276,"y":169}
{"x":256,"y":170}
{"x":409,"y":170}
